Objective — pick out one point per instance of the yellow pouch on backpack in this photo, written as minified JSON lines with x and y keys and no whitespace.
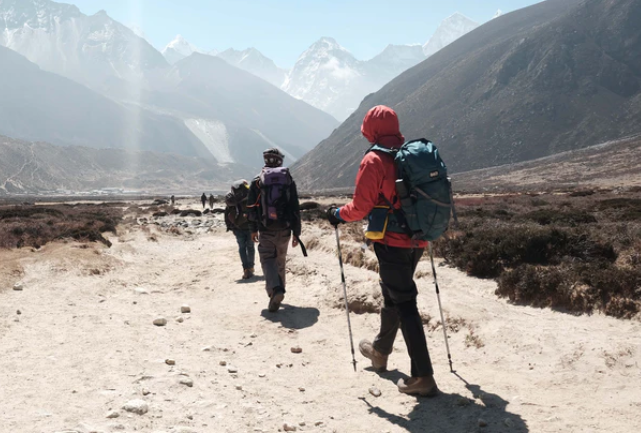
{"x":377,"y":223}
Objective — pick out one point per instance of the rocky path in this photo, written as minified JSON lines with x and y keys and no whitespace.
{"x":79,"y":345}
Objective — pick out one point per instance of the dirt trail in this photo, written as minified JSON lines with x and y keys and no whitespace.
{"x":84,"y":345}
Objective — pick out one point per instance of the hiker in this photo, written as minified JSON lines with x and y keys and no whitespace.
{"x":398,"y":255}
{"x":203,"y":199}
{"x":211,"y":201}
{"x":274,"y":215}
{"x":173,"y":200}
{"x":236,"y":221}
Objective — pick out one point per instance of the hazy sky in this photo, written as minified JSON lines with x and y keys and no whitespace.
{"x":283,"y":29}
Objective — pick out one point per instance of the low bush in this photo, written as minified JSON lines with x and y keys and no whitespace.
{"x":577,"y":255}
{"x":36,"y":225}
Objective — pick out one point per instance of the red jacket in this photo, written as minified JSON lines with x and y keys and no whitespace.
{"x":377,"y":175}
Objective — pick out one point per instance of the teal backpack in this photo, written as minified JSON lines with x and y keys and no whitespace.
{"x":424,"y":190}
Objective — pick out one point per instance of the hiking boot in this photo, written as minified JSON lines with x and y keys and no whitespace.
{"x":424,"y":386}
{"x":379,"y":361}
{"x":247,"y":273}
{"x":274,"y":301}
{"x":250,"y":272}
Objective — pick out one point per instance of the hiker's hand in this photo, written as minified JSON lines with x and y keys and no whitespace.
{"x":255,"y":237}
{"x":331,"y":217}
{"x":294,"y":242}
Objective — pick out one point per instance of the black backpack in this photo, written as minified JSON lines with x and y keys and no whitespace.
{"x":234,"y":201}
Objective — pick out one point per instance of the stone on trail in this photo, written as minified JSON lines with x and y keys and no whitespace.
{"x":463,"y":401}
{"x":18,"y":286}
{"x":223,"y":363}
{"x":232,"y":369}
{"x":18,"y":312}
{"x":140,"y":291}
{"x":145,"y":392}
{"x":160,"y":321}
{"x":301,"y":389}
{"x":375,"y":392}
{"x":289,"y":427}
{"x":136,"y":406}
{"x":113,"y":414}
{"x":170,"y":362}
{"x":297,"y":349}
{"x":179,"y":319}
{"x":482,"y":423}
{"x":185,"y":309}
{"x":239,"y":387}
{"x":187,"y":381}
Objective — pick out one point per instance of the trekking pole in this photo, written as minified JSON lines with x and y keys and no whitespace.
{"x":438,"y":296}
{"x":349,"y":324}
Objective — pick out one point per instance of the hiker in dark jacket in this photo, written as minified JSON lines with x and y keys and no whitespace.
{"x":398,"y":255}
{"x":203,"y":199}
{"x":236,"y":220}
{"x":211,"y":201}
{"x":274,"y":215}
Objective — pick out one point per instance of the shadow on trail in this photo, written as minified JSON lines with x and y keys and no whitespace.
{"x":253,"y":279}
{"x":454,"y":413}
{"x":293,"y":317}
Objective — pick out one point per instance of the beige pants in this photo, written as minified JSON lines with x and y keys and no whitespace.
{"x":272,"y":249}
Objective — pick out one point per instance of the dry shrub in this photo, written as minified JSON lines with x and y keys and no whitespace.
{"x":36,"y":225}
{"x":577,"y":289}
{"x":175,"y":231}
{"x":580,"y":253}
{"x":473,"y":340}
{"x":313,"y":243}
{"x":553,"y":216}
{"x":423,"y":273}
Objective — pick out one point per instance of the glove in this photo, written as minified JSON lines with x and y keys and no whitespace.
{"x":332,"y":217}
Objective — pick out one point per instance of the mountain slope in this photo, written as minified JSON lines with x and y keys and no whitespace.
{"x":236,"y":114}
{"x":40,"y":167}
{"x":38,"y":105}
{"x":88,"y":49}
{"x":253,"y":61}
{"x":619,"y":166}
{"x":559,"y":75}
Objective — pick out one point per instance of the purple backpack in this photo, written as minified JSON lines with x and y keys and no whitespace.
{"x":275,"y":185}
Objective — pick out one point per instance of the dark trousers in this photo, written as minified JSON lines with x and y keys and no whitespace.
{"x":245,"y":248}
{"x":397,"y":267}
{"x":272,"y":249}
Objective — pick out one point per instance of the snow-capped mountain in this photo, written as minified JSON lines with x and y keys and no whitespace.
{"x":450,"y":29}
{"x":254,"y":62}
{"x":328,"y":77}
{"x":179,"y":49}
{"x":61,"y":39}
{"x":392,"y":61}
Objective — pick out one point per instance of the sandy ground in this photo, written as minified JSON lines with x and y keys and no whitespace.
{"x":85,"y":344}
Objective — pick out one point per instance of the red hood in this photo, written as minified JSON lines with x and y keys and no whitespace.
{"x":380,"y":126}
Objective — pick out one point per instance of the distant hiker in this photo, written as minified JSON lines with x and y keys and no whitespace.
{"x":203,"y":199}
{"x":173,"y":200}
{"x":274,"y":215}
{"x":211,"y":201}
{"x":236,"y":220}
{"x":398,"y":255}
